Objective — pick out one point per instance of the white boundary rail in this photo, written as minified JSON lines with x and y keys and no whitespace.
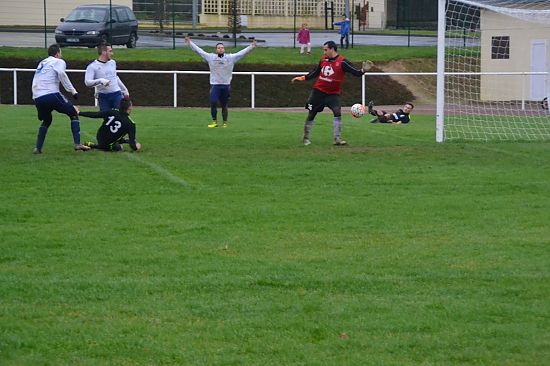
{"x":254,"y":73}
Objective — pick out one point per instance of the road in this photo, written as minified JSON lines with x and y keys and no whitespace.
{"x":25,"y":39}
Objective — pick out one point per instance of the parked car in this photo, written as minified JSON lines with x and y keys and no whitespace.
{"x":89,"y":25}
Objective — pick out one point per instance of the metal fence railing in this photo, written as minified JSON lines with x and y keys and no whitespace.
{"x":175,"y":74}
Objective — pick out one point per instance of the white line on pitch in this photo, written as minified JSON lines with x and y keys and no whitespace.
{"x":155,"y":167}
{"x":160,"y":170}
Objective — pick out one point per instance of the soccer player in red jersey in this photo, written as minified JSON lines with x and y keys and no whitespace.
{"x":330,"y":74}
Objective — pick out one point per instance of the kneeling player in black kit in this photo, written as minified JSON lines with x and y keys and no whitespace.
{"x":116,"y":124}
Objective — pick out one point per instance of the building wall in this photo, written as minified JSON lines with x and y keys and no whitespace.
{"x":280,"y":13}
{"x":31,"y":12}
{"x":521,"y":33}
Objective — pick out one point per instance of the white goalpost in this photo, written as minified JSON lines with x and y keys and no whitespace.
{"x":493,"y":70}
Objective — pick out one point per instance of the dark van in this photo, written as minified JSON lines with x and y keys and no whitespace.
{"x":90,"y":25}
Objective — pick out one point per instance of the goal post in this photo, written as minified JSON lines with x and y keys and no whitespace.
{"x":493,"y":70}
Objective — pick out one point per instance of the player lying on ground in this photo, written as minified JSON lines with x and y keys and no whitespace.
{"x":116,"y":125}
{"x":400,"y":116}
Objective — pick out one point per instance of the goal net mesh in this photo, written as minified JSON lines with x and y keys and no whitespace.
{"x":497,"y":54}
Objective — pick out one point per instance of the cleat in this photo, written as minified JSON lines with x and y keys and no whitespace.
{"x":370,"y":106}
{"x":81,"y":147}
{"x":224,"y":125}
{"x":213,"y":125}
{"x":89,"y":144}
{"x":307,"y":142}
{"x":37,"y":151}
{"x":339,"y":142}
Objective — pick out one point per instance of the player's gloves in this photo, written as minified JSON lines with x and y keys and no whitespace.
{"x":298,"y":78}
{"x":367,"y":65}
{"x":75,"y":96}
{"x":104,"y":82}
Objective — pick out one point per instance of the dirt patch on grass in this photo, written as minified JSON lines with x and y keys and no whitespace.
{"x":423,"y":88}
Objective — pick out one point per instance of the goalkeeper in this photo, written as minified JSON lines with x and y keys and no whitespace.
{"x":330,"y":74}
{"x":398,"y":117}
{"x":116,"y":125}
{"x":221,"y":72}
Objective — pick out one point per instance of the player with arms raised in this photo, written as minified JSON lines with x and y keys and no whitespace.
{"x":221,"y":66}
{"x":330,"y":74}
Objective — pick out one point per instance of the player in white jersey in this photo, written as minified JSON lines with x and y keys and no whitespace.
{"x":101,"y":75}
{"x":47,"y":98}
{"x":221,"y":71}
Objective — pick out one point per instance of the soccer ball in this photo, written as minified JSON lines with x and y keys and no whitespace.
{"x":357,"y":110}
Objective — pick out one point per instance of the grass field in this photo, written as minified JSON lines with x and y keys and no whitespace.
{"x":261,"y":55}
{"x":239,"y":246}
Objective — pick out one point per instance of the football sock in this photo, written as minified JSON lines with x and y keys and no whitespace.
{"x":214,"y":111}
{"x":42,"y":131}
{"x":307,"y":129}
{"x":225,"y":112}
{"x":337,"y":125}
{"x":75,"y":128}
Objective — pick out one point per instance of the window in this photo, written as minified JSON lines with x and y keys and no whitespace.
{"x":500,"y":48}
{"x":130,"y":15}
{"x":122,"y":15}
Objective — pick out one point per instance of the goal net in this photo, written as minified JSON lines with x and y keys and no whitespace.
{"x":496,"y":63}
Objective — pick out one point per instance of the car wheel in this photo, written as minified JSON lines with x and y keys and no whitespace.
{"x":132,"y":41}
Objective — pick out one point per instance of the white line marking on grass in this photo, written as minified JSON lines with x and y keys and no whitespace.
{"x":160,"y":170}
{"x":155,"y":167}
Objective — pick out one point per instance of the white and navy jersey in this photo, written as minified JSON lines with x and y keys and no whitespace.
{"x":400,"y":116}
{"x":47,"y":76}
{"x":98,"y":72}
{"x":221,"y":68}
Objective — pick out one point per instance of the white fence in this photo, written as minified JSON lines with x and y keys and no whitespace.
{"x":176,"y":73}
{"x":272,"y":73}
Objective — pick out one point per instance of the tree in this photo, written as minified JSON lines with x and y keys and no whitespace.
{"x":161,"y":13}
{"x":233,"y":18}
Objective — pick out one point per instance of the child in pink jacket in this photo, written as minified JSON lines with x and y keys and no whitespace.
{"x":304,"y":39}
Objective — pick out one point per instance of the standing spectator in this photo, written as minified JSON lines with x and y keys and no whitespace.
{"x":101,"y":74}
{"x":47,"y":98}
{"x":304,"y":39}
{"x":330,"y":74}
{"x":221,"y":72}
{"x":344,"y":31}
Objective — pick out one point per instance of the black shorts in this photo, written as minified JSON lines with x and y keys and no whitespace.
{"x":318,"y":101}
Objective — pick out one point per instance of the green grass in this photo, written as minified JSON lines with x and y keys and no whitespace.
{"x":239,"y":246}
{"x":262,"y":55}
